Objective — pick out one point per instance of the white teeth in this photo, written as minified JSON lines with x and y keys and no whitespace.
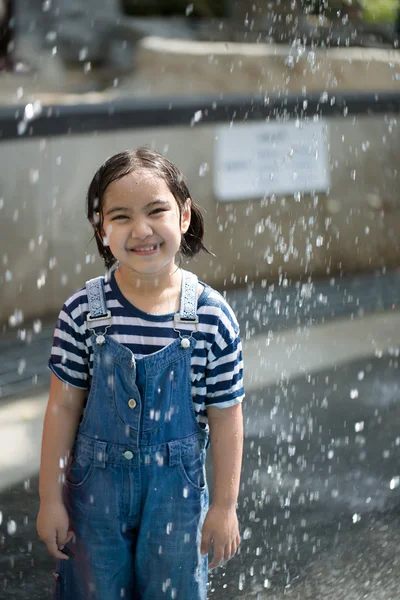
{"x":146,"y":249}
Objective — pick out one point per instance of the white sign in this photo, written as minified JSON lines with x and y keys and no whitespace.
{"x":255,"y":160}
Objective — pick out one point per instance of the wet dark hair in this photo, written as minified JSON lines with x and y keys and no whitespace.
{"x":127,"y":162}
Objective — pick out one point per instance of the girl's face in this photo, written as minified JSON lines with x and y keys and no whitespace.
{"x":142,"y":224}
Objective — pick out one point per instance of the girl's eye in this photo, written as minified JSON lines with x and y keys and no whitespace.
{"x":157,"y":210}
{"x":119,"y":217}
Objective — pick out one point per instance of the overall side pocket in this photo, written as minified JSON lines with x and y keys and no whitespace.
{"x":79,"y":470}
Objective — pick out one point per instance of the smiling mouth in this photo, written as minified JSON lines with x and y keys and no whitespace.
{"x":146,"y":249}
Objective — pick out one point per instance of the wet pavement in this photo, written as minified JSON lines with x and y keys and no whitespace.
{"x":319,"y":504}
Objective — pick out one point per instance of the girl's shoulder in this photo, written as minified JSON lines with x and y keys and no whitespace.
{"x":77,"y":305}
{"x":76,"y":308}
{"x":215,"y":303}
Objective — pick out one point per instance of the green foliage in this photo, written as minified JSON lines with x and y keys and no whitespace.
{"x":376,"y":11}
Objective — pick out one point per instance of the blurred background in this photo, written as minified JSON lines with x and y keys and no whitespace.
{"x":283,"y":115}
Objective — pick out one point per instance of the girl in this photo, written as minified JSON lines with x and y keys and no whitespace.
{"x":146,"y":371}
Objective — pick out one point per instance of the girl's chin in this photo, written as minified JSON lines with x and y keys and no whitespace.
{"x":149,"y":267}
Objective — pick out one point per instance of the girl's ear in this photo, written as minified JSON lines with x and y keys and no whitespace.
{"x":186,"y":215}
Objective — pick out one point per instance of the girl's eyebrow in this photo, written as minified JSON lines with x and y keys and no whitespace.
{"x":126,"y":209}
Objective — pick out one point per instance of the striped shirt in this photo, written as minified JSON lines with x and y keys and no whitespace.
{"x":216,"y":362}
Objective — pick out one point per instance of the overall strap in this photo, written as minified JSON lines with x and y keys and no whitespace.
{"x":188,"y":306}
{"x":97,"y":300}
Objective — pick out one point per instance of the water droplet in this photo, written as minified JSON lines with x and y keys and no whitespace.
{"x":324,"y":97}
{"x":21,"y":127}
{"x":356,"y":518}
{"x":198,"y":115}
{"x":32,"y":110}
{"x":41,"y":281}
{"x":247,"y":533}
{"x":51,"y":36}
{"x":354,"y":394}
{"x":360,"y":375}
{"x":16,"y":318}
{"x":359,"y":426}
{"x":11,"y":527}
{"x":83,"y":53}
{"x":289,"y":62}
{"x":37,"y":326}
{"x":52,"y":262}
{"x":28,"y":112}
{"x":242,"y":579}
{"x":319,"y":241}
{"x":189,"y":10}
{"x":33,"y":176}
{"x":204,"y":168}
{"x":8,"y":275}
{"x":394,"y":482}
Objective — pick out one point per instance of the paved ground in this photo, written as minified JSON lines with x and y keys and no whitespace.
{"x":319,"y":503}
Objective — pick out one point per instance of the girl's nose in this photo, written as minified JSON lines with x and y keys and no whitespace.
{"x":141,"y":229}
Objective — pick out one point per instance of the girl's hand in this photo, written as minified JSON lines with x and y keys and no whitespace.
{"x":52,"y":526}
{"x":222,"y":529}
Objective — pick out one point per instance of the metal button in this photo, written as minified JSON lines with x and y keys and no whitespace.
{"x":132,"y":403}
{"x":128,"y":455}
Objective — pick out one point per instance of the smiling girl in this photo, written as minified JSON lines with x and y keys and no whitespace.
{"x":146,"y":372}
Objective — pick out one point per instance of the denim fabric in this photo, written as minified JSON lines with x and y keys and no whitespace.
{"x":135,"y":488}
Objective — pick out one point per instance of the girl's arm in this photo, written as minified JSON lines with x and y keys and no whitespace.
{"x":64,"y":411}
{"x":221,"y":526}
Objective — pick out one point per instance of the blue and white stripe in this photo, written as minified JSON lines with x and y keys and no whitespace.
{"x":216,"y":365}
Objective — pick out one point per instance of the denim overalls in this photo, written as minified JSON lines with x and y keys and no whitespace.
{"x":135,"y":488}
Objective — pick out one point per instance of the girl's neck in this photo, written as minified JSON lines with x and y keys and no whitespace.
{"x":150,"y":285}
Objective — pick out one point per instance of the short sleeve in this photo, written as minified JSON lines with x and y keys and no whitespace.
{"x":69,"y":359}
{"x":224,"y":371}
